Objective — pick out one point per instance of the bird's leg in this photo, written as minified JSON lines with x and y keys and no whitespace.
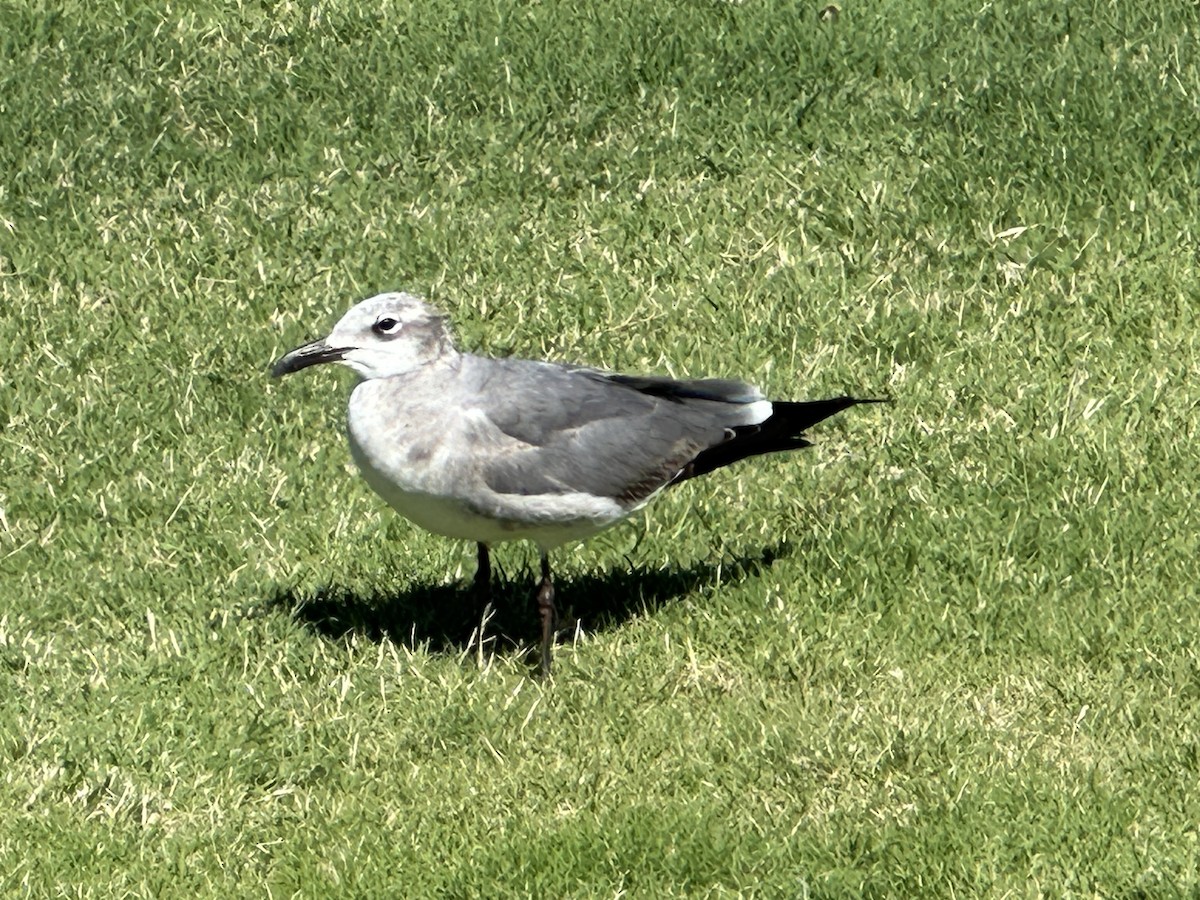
{"x":549,"y":614}
{"x":481,"y":590}
{"x":483,"y":575}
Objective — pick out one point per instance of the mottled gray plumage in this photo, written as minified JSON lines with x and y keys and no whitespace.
{"x":492,"y":450}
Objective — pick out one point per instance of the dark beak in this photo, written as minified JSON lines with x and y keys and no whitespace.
{"x":303,"y":357}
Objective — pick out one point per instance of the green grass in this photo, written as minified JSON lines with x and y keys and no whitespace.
{"x":952,"y":650}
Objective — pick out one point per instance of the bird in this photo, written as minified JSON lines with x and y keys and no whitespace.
{"x":491,"y":450}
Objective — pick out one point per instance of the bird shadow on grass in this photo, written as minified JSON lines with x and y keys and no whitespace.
{"x":454,"y":619}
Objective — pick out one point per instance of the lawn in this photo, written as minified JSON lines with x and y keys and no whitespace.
{"x":952,"y":650}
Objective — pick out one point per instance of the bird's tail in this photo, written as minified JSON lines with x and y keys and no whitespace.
{"x":782,"y":430}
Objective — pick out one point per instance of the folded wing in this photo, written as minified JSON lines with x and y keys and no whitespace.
{"x":616,"y":436}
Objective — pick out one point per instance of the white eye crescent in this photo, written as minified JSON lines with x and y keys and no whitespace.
{"x":386,"y":325}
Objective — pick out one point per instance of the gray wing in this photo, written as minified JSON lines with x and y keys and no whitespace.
{"x":617,"y":436}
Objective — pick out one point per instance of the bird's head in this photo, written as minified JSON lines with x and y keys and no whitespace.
{"x":389,"y":334}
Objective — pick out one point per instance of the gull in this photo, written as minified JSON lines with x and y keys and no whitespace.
{"x":492,"y":450}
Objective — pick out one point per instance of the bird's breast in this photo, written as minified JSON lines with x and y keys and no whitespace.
{"x":405,"y":442}
{"x":415,"y":452}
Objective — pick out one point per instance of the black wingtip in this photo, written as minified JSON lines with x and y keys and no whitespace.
{"x":782,"y":431}
{"x":793,"y":417}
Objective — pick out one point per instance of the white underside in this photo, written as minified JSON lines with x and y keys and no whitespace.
{"x":547,"y":520}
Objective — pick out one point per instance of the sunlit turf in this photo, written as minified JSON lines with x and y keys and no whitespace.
{"x":951,"y":650}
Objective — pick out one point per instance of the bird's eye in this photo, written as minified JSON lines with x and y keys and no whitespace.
{"x":386,"y":325}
